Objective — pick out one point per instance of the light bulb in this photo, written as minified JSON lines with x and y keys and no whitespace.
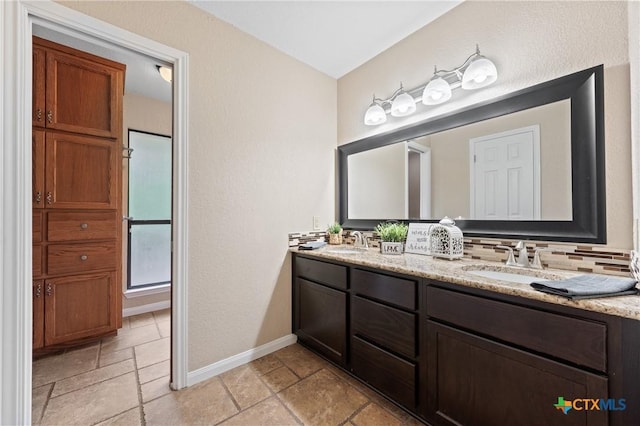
{"x":436,"y":92}
{"x":481,"y":72}
{"x":403,"y":105}
{"x":375,"y":115}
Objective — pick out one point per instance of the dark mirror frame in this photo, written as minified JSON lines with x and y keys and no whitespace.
{"x":585,"y":89}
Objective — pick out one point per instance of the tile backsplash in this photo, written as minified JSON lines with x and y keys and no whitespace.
{"x":568,"y":256}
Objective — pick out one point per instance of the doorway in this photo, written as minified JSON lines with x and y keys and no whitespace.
{"x":18,"y":19}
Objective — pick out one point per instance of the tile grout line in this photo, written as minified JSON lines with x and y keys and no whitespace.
{"x":143,"y":422}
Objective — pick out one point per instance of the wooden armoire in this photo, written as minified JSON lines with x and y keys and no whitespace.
{"x":77,"y":191}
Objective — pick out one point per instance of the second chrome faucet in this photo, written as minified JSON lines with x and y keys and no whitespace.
{"x":522,"y":260}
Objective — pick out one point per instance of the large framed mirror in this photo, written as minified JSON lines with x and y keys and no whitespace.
{"x":526,"y":165}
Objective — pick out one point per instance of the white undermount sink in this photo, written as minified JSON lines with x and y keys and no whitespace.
{"x":514,"y":275}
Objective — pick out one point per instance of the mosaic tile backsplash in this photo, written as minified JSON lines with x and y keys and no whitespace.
{"x":567,"y":256}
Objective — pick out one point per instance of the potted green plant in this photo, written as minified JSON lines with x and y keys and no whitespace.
{"x":393,"y":236}
{"x":335,"y":233}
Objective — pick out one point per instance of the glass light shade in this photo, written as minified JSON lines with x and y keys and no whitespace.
{"x":165,"y":73}
{"x":436,"y":92}
{"x":375,"y":115}
{"x":403,"y":105}
{"x":480,"y":73}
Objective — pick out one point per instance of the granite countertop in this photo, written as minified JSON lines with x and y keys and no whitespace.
{"x":455,"y":271}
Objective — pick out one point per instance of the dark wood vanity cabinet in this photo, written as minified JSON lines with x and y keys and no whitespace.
{"x":457,"y":355}
{"x":320,"y":307}
{"x":383,"y":337}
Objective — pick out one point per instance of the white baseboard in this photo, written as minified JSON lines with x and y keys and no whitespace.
{"x":143,"y":309}
{"x":234,"y":361}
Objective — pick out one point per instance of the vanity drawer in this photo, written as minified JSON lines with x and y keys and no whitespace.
{"x":389,"y":327}
{"x":393,"y":376}
{"x":36,"y":227}
{"x":73,"y":226}
{"x":578,"y":341}
{"x":75,"y":258}
{"x":397,"y":291}
{"x":322,"y":272}
{"x":37,"y":261}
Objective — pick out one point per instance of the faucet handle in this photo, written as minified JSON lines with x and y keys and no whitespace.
{"x":511,"y":261}
{"x":537,"y":261}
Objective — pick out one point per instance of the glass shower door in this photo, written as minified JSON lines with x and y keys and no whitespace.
{"x":149,"y":249}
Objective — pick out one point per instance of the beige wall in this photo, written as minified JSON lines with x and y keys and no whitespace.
{"x":377,"y":180}
{"x":262,"y":136}
{"x":147,"y":115}
{"x":530,"y":42}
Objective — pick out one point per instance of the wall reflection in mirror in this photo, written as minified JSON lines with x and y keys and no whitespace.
{"x":513,"y":167}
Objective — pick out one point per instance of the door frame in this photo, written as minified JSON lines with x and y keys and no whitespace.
{"x":425,"y":178}
{"x":17,"y":18}
{"x":535,"y":131}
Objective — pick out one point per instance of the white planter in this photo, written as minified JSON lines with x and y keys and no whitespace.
{"x":391,"y":248}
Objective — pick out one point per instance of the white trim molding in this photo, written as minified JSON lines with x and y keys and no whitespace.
{"x":16,"y":20}
{"x":147,"y":291}
{"x":234,"y":361}
{"x":143,"y":309}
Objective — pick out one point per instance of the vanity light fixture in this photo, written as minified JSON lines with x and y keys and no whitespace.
{"x":476,"y":72}
{"x":165,"y":72}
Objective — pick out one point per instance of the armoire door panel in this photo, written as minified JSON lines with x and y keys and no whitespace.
{"x":82,"y":95}
{"x":79,"y":306}
{"x":38,"y":195}
{"x":81,"y":172}
{"x":38,"y":105}
{"x":38,"y":314}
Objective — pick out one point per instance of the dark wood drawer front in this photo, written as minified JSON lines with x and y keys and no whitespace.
{"x":322,"y":272}
{"x":36,"y":226}
{"x":579,"y":341}
{"x":385,"y":288}
{"x":323,"y":319}
{"x":393,"y":376}
{"x":74,"y":258}
{"x":389,"y":327}
{"x":37,"y":261}
{"x":71,"y":226}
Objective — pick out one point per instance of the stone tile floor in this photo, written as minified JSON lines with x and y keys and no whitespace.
{"x":124,"y":380}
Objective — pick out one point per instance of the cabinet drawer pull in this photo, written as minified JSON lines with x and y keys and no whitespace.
{"x":50,"y":117}
{"x":84,"y":257}
{"x":38,"y":114}
{"x":49,"y":197}
{"x":39,"y":290}
{"x":38,"y":197}
{"x":49,"y":289}
{"x":84,"y":225}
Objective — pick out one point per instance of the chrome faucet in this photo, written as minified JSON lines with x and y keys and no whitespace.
{"x":360,"y":240}
{"x":523,"y":257}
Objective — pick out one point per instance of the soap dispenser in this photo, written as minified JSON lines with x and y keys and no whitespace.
{"x":446,"y":240}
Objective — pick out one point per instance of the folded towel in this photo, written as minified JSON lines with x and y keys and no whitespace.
{"x":312,"y":245}
{"x":588,"y":286}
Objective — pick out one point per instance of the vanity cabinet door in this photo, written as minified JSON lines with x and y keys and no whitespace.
{"x":475,"y":381}
{"x":322,"y":319}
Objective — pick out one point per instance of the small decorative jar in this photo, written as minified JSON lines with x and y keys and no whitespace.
{"x":446,"y":240}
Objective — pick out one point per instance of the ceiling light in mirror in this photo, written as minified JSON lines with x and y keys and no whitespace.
{"x":165,"y":73}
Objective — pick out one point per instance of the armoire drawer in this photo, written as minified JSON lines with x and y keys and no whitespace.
{"x":77,"y":258}
{"x":74,"y":226}
{"x":37,"y":260}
